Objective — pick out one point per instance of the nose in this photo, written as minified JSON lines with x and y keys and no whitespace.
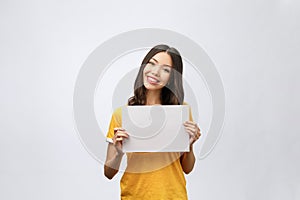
{"x":155,"y":70}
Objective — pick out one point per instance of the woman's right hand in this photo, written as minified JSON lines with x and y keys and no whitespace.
{"x":119,"y":135}
{"x":115,"y":153}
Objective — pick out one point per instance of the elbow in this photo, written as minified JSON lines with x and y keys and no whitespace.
{"x":109,"y":172}
{"x":187,"y":171}
{"x":108,"y":176}
{"x":188,"y":168}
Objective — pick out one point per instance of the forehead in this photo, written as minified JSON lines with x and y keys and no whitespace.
{"x":163,"y":58}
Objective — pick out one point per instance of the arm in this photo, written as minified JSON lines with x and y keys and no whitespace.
{"x":113,"y":161}
{"x":114,"y":153}
{"x":187,"y":159}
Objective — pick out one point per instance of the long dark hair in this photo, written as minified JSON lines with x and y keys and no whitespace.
{"x":172,"y":93}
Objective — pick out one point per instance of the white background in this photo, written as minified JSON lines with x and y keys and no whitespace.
{"x":255,"y":46}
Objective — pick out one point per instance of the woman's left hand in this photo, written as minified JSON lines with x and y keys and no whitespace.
{"x":193,"y":130}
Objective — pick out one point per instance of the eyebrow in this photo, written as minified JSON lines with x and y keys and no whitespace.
{"x":157,"y":62}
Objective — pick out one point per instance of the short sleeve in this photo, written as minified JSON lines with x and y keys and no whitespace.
{"x":190,"y":114}
{"x":190,"y":111}
{"x":115,"y":122}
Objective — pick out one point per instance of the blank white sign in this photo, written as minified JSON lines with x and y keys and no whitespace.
{"x":155,"y":128}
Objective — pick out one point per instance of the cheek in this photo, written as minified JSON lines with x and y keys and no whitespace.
{"x":166,"y":77}
{"x":146,"y":70}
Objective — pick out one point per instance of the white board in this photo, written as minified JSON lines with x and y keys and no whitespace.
{"x":155,"y":128}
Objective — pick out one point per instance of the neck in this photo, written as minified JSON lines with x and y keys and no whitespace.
{"x":153,"y":97}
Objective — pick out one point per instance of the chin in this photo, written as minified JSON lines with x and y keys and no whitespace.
{"x":153,"y":87}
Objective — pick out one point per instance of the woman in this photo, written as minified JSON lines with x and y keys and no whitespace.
{"x":153,"y":175}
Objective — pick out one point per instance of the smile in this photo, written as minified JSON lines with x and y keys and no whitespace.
{"x":152,"y":80}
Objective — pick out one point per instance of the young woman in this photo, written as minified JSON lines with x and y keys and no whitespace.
{"x":153,"y":175}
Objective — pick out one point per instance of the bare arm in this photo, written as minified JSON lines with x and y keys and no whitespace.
{"x":114,"y":153}
{"x":113,"y":161}
{"x":187,"y":159}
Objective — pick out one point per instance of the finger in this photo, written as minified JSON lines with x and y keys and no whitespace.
{"x":192,"y":135}
{"x":190,"y":123}
{"x":119,"y":139}
{"x":193,"y":130}
{"x":118,"y":129}
{"x":119,"y":134}
{"x":192,"y":139}
{"x":122,"y":134}
{"x":198,"y":134}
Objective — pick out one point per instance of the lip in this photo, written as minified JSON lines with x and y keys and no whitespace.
{"x":152,"y":80}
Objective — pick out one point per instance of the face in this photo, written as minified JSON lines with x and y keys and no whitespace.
{"x":157,"y":71}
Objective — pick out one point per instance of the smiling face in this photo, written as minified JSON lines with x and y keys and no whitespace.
{"x":157,"y":71}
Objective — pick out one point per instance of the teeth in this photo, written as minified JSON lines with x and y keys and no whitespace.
{"x":153,"y":80}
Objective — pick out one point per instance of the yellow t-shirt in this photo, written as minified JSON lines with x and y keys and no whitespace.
{"x":150,"y":175}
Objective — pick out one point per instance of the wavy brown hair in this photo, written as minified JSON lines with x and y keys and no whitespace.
{"x":172,"y":93}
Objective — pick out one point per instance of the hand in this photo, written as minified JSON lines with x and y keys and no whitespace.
{"x":119,"y":135}
{"x":193,"y":130}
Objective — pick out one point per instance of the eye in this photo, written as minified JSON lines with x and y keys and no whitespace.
{"x":167,"y":69}
{"x":151,"y":63}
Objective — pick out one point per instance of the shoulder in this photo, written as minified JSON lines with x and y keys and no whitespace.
{"x":190,"y":111}
{"x":117,"y":114}
{"x":118,"y":111}
{"x":186,"y":104}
